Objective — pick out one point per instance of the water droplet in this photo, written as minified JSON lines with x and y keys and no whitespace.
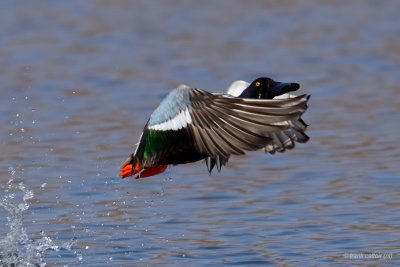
{"x":79,"y":256}
{"x":11,"y":170}
{"x":23,"y":206}
{"x":21,"y":187}
{"x":28,"y":195}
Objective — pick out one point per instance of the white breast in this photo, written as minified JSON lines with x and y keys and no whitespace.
{"x":237,"y":87}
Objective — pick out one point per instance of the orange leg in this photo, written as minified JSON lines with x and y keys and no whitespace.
{"x":147,"y":172}
{"x":128,"y":170}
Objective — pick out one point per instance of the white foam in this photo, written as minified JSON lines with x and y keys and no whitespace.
{"x":17,"y":248}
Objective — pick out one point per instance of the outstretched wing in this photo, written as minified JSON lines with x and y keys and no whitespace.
{"x":225,"y":125}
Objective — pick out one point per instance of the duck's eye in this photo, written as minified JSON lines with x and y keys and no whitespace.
{"x":258,"y":84}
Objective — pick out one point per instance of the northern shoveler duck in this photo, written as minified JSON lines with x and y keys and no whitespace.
{"x":191,"y":124}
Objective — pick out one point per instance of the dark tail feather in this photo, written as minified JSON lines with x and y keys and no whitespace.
{"x":215,"y":161}
{"x":210,"y":162}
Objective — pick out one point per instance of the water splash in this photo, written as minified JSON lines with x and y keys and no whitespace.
{"x":16,"y":248}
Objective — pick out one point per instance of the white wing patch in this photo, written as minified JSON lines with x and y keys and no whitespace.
{"x":178,"y":122}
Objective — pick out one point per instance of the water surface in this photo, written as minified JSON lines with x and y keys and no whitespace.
{"x":78,"y":81}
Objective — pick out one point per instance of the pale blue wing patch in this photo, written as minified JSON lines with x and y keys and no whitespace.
{"x":173,"y":111}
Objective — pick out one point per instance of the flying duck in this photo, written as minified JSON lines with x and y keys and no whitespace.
{"x":191,"y":124}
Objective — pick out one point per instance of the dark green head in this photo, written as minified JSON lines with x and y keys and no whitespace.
{"x":266,"y":88}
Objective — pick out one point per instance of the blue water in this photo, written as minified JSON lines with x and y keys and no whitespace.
{"x":78,"y":81}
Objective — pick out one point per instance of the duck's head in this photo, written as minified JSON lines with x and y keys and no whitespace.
{"x":266,"y":88}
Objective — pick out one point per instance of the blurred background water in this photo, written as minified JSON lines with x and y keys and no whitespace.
{"x":78,"y":81}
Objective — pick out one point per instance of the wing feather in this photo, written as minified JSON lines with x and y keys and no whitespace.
{"x":249,"y":123}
